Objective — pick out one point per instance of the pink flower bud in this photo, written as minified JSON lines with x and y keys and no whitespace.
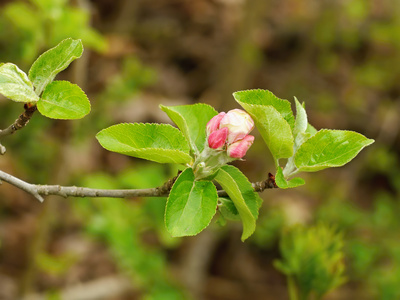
{"x":217,"y":139}
{"x":239,"y":124}
{"x":239,"y":148}
{"x":213,"y":124}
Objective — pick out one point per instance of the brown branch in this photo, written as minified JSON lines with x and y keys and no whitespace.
{"x":19,"y":123}
{"x":258,"y":187}
{"x":38,"y":191}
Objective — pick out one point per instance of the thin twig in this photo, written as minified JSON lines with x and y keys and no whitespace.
{"x":19,"y":123}
{"x":38,"y":191}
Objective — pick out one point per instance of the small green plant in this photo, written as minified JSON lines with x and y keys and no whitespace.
{"x":203,"y":144}
{"x":312,"y":260}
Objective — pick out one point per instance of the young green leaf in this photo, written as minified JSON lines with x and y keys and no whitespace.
{"x":156,"y":142}
{"x":63,"y":100}
{"x":191,"y":205}
{"x":192,"y":121}
{"x":228,"y":210}
{"x":329,"y":148}
{"x":301,"y":123}
{"x":15,"y":85}
{"x":53,"y":61}
{"x":241,"y":192}
{"x":265,"y":97}
{"x":282,"y":183}
{"x":300,"y":135}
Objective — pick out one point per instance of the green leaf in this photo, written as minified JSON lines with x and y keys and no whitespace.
{"x":273,"y":118}
{"x":53,"y":61}
{"x":156,"y":142}
{"x":191,"y":205}
{"x":311,"y":129}
{"x":265,"y":97}
{"x":274,"y":129}
{"x":282,"y":183}
{"x":15,"y":85}
{"x":241,"y":192}
{"x":329,"y":148}
{"x":228,"y":209}
{"x":301,"y":123}
{"x":192,"y":121}
{"x":63,"y":100}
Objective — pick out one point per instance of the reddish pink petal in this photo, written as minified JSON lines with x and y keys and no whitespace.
{"x":217,"y":139}
{"x":239,"y":148}
{"x":213,"y":124}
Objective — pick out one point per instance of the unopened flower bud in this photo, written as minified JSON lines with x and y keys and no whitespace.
{"x":213,"y":124}
{"x":239,"y":124}
{"x":239,"y":148}
{"x":217,"y":139}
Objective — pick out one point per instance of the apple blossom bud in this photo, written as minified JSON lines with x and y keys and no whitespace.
{"x":239,"y":148}
{"x":217,"y":139}
{"x":239,"y":124}
{"x":213,"y":124}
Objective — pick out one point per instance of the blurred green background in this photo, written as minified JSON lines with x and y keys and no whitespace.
{"x":342,"y":58}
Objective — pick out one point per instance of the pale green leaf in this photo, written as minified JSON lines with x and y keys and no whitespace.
{"x":191,"y":205}
{"x":192,"y":121}
{"x":53,"y":61}
{"x":15,"y":85}
{"x":282,"y":183}
{"x":265,"y":97}
{"x":241,"y":192}
{"x":329,"y":148}
{"x":301,"y":123}
{"x":156,"y":142}
{"x":63,"y":100}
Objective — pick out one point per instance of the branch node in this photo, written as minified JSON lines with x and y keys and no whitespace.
{"x":167,"y":186}
{"x":37,"y":196}
{"x":2,"y":149}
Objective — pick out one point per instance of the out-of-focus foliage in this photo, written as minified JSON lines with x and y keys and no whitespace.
{"x":27,"y":28}
{"x":371,"y":244}
{"x":132,"y":77}
{"x":313,"y":259}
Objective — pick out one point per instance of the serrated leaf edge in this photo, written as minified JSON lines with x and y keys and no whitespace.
{"x":44,"y":53}
{"x":285,"y":101}
{"x":191,"y":143}
{"x":25,"y":79}
{"x":168,"y":199}
{"x":65,"y":81}
{"x":370,"y":141}
{"x":243,"y":238}
{"x":280,"y":115}
{"x":144,"y":124}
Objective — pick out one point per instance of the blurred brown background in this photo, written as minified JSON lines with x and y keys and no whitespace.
{"x":340,"y":57}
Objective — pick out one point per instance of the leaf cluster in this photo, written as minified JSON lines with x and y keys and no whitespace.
{"x":297,"y":141}
{"x":54,"y":99}
{"x":192,"y":202}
